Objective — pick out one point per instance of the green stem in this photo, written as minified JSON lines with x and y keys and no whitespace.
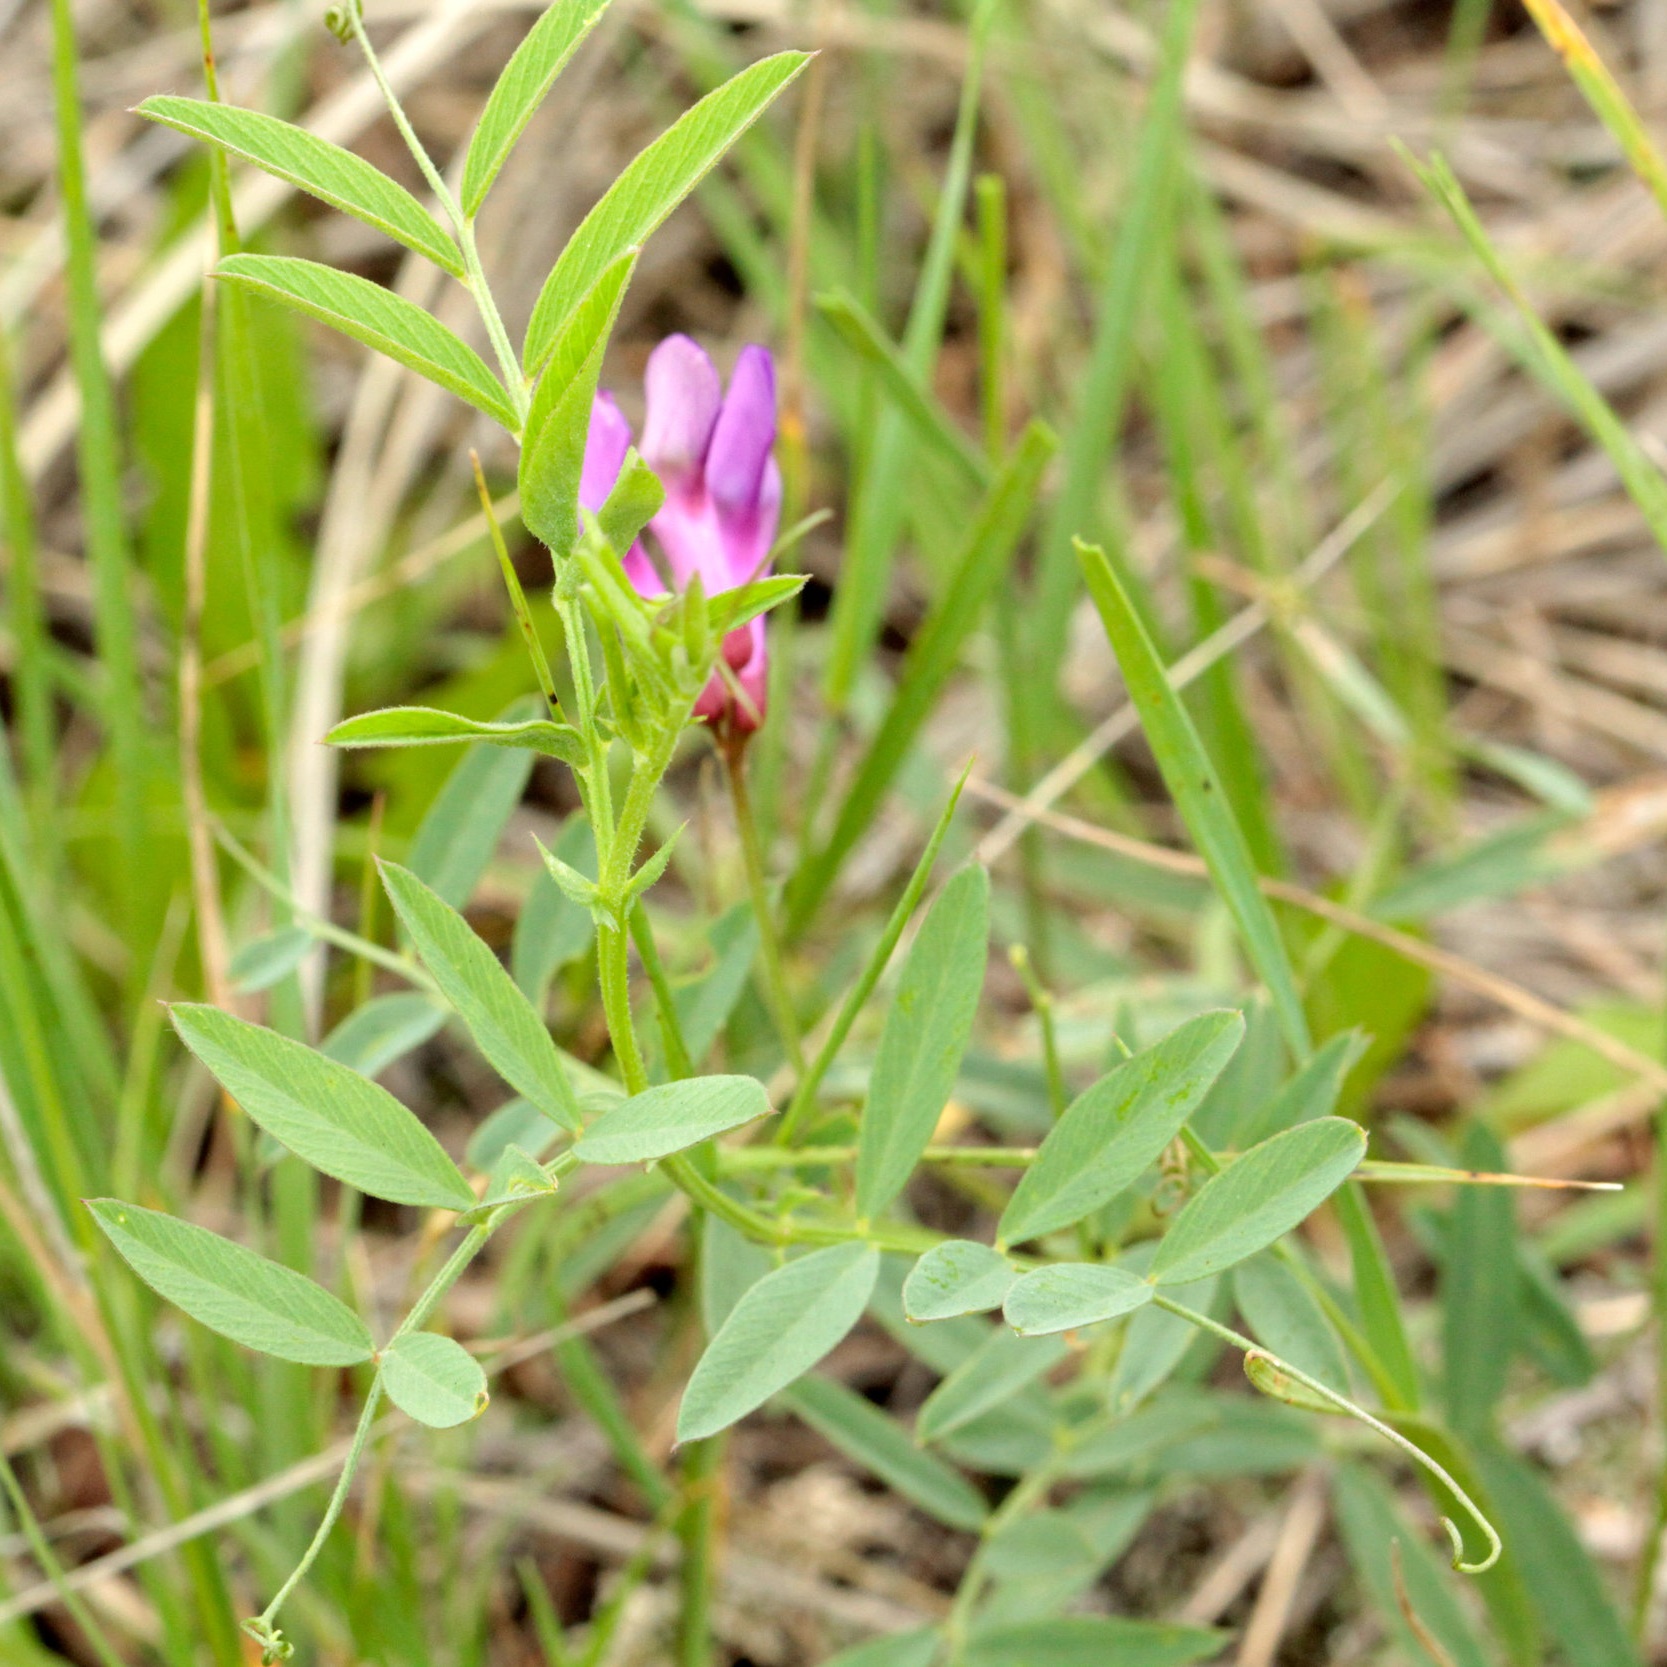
{"x":1030,"y":1488}
{"x":769,"y":942}
{"x":702,"y":1468}
{"x":646,"y":773}
{"x":595,"y":785}
{"x":481,"y":291}
{"x":613,"y":968}
{"x":741,"y":1159}
{"x":908,"y":1241}
{"x":262,"y":1629}
{"x":436,"y":183}
{"x":1342,"y":1404}
{"x":474,"y":279}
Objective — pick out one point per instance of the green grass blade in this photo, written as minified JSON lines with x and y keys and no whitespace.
{"x":924,"y":1039}
{"x":1526,"y":335}
{"x":989,"y":549}
{"x":1603,"y":92}
{"x":99,"y":452}
{"x":863,"y":334}
{"x":1196,"y":789}
{"x":804,"y":1095}
{"x":25,"y":612}
{"x":1090,"y":440}
{"x":877,"y":517}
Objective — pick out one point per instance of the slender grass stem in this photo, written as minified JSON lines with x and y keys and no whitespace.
{"x":678,"y":1061}
{"x":517,"y":596}
{"x":1041,"y":1003}
{"x":41,"y":1549}
{"x":26,"y":610}
{"x":804,"y":1095}
{"x":1649,"y":1561}
{"x":99,"y":453}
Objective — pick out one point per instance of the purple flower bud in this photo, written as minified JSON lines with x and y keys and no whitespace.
{"x":682,"y":393}
{"x":723,"y":495}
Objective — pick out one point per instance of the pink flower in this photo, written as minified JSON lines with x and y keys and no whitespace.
{"x":711,"y":451}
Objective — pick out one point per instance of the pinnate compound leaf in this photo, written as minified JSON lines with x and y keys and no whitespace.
{"x":671,"y":1118}
{"x":501,"y":1020}
{"x":335,"y":1119}
{"x":314,"y":165}
{"x":1071,"y":1294}
{"x":959,"y":1276}
{"x":228,"y":1288}
{"x":778,"y":1330}
{"x":433,"y":1379}
{"x":864,"y":1434}
{"x":1258,"y":1198}
{"x":926,"y":1033}
{"x":1109,"y":1135}
{"x":653,"y":185}
{"x":527,"y":77}
{"x":377,"y":317}
{"x":423,"y":726}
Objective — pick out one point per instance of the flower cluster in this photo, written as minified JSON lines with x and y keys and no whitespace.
{"x":712,"y":452}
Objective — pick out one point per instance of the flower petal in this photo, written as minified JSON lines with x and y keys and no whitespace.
{"x":753,"y":674}
{"x":605,"y":447}
{"x":683,"y":394}
{"x":743,"y":435}
{"x":644,"y":576}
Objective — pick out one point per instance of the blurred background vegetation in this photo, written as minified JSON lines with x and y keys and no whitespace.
{"x":1377,"y":453}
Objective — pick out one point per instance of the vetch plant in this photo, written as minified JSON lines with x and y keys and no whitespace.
{"x":713,"y":455}
{"x":1123,"y":1220}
